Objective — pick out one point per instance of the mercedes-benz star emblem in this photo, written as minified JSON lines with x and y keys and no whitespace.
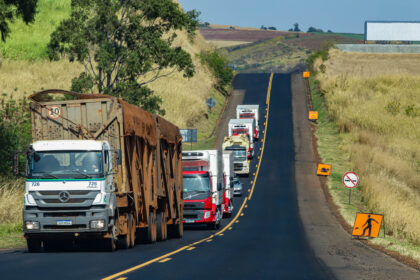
{"x":64,"y":196}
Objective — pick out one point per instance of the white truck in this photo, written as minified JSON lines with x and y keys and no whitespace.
{"x":228,"y":174}
{"x":243,"y":126}
{"x":249,"y":112}
{"x":238,"y":145}
{"x":203,"y":187}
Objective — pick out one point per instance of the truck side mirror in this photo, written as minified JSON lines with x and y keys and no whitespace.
{"x":16,"y":171}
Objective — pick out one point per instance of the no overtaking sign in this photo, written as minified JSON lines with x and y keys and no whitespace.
{"x":350,"y":180}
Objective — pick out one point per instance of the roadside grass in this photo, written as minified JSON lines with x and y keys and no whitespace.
{"x":29,"y":42}
{"x":370,"y":123}
{"x":11,"y":198}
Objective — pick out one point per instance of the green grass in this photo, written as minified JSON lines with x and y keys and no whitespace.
{"x":29,"y":42}
{"x":347,"y":35}
{"x":11,"y":236}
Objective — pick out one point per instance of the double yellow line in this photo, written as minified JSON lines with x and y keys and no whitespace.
{"x":228,"y":226}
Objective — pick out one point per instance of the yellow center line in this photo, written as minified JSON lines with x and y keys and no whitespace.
{"x":191,"y":248}
{"x":270,"y":83}
{"x":165,"y":260}
{"x":165,"y":257}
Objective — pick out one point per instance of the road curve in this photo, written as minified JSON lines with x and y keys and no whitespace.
{"x":265,"y":241}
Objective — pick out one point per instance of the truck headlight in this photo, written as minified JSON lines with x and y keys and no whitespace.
{"x":30,"y":225}
{"x":98,"y":198}
{"x":97,"y":224}
{"x":207,"y":214}
{"x":29,"y":200}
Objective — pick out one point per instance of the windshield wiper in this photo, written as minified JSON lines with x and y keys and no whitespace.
{"x":81,"y":173}
{"x":197,"y":191}
{"x":48,"y":174}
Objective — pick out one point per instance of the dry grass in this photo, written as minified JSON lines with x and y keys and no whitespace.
{"x":183,"y":99}
{"x":368,"y":95}
{"x":11,"y":197}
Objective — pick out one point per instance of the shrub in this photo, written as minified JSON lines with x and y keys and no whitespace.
{"x":15,"y":131}
{"x":393,"y":107}
{"x":219,"y":65}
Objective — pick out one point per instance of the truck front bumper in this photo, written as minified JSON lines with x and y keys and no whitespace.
{"x":66,"y":222}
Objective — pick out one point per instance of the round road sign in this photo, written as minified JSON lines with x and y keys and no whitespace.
{"x":54,"y":112}
{"x":350,"y":180}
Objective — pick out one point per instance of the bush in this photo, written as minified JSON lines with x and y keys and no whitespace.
{"x":15,"y":131}
{"x":219,"y":65}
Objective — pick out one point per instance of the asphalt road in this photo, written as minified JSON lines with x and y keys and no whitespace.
{"x":266,"y":242}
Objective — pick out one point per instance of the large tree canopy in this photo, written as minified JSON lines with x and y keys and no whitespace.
{"x":124,"y":45}
{"x":10,"y":9}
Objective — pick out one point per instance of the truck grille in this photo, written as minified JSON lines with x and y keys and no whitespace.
{"x":193,"y":205}
{"x":74,"y":198}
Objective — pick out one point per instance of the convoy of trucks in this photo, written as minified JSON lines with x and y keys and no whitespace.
{"x":102,"y":169}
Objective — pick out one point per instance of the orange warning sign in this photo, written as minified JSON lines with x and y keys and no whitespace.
{"x":306,"y":74}
{"x":313,"y":115}
{"x":367,"y":225}
{"x":323,"y":169}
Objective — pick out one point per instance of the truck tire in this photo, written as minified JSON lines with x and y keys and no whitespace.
{"x":176,"y":230}
{"x":151,"y":229}
{"x":34,"y":245}
{"x":109,"y":244}
{"x":124,"y":240}
{"x":161,"y":226}
{"x":132,"y":230}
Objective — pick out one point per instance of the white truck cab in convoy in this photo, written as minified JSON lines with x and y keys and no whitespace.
{"x":243,"y":126}
{"x":249,"y":112}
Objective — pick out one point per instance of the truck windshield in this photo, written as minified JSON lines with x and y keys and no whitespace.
{"x":196,"y":183}
{"x":238,"y":155}
{"x":65,"y":164}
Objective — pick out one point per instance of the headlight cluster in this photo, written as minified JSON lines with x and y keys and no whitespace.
{"x":97,"y":224}
{"x":30,"y":225}
{"x":207,"y":214}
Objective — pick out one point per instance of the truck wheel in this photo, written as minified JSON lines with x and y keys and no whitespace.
{"x":109,"y":244}
{"x":124,"y":241}
{"x":177,"y":230}
{"x":161,"y":226}
{"x":132,"y":229}
{"x":34,"y":245}
{"x":151,"y":229}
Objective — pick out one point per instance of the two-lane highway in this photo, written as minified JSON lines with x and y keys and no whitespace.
{"x":265,"y":240}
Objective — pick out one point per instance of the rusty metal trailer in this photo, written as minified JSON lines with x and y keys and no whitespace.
{"x":146,"y":155}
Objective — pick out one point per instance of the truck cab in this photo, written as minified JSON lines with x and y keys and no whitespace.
{"x":250,"y":112}
{"x":246,"y":127}
{"x":238,"y":145}
{"x":203,"y":187}
{"x":69,"y":188}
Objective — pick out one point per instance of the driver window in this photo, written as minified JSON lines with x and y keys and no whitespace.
{"x":106,"y":161}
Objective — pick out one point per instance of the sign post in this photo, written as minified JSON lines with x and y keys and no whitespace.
{"x":189,"y":136}
{"x":350,"y":181}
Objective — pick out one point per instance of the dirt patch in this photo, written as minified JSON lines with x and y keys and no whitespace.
{"x":246,"y":35}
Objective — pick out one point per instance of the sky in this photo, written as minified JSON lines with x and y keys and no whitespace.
{"x":337,"y":15}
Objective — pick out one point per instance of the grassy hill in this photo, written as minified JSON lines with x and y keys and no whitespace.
{"x":283,"y":52}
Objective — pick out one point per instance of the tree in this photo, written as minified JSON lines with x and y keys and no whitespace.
{"x":124,"y":45}
{"x":313,"y":29}
{"x":272,"y":28}
{"x":11,"y":9}
{"x":263,"y":27}
{"x":296,"y":27}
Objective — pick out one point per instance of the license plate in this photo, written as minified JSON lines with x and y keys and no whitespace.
{"x":64,"y":222}
{"x":189,"y":221}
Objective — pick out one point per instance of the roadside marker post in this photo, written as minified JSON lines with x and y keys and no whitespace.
{"x":323,"y":169}
{"x":313,"y":115}
{"x":367,"y":225}
{"x":350,"y":181}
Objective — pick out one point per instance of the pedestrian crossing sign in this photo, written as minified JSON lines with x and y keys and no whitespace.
{"x":367,"y":225}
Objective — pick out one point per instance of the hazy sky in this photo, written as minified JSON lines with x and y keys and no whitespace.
{"x":337,"y":15}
